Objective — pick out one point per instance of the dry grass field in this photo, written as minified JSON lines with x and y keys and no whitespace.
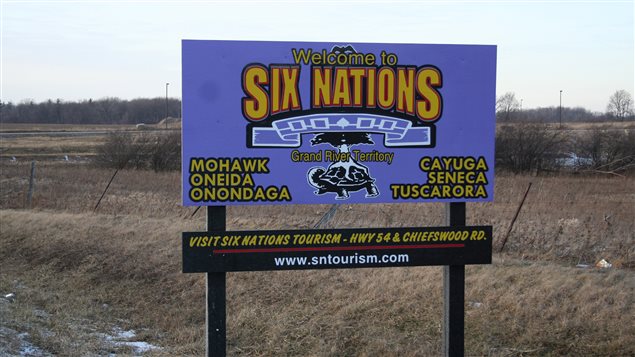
{"x":47,"y":147}
{"x":588,"y":126}
{"x":110,"y":281}
{"x":57,"y":142}
{"x":41,"y":127}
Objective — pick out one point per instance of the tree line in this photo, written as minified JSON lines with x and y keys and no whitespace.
{"x":100,"y":111}
{"x":509,"y":109}
{"x":522,"y":147}
{"x":152,"y":110}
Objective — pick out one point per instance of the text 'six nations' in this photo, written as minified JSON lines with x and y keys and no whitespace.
{"x":339,"y":80}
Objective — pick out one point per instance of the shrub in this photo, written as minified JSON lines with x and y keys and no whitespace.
{"x":120,"y":150}
{"x":165,"y":153}
{"x":156,"y":151}
{"x":526,"y":147}
{"x":607,"y":150}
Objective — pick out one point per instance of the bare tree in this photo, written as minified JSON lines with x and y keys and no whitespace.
{"x":524,"y":147}
{"x":620,"y":104}
{"x":158,"y":151}
{"x":606,"y":150}
{"x":506,"y":105}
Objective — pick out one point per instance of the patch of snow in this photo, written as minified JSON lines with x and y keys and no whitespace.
{"x":27,"y":348}
{"x":475,"y":304}
{"x":138,"y":346}
{"x":121,"y":338}
{"x":571,"y":222}
{"x":573,"y":160}
{"x":120,"y":334}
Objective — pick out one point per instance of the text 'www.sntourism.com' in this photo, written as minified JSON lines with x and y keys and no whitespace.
{"x":329,"y":260}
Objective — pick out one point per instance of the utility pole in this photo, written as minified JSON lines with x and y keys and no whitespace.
{"x":166,"y":105}
{"x":560,"y":115}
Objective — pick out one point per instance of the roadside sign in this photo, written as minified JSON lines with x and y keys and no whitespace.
{"x":221,"y":251}
{"x":320,"y":123}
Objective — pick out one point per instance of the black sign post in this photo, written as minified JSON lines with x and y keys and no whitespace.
{"x":216,"y":284}
{"x":217,"y":251}
{"x":454,"y":293}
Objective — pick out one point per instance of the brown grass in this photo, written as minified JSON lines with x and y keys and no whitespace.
{"x":48,"y":147}
{"x":53,"y":141}
{"x":77,"y":274}
{"x":617,"y":125}
{"x":33,"y":127}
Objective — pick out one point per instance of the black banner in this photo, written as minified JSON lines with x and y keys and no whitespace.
{"x":221,"y":251}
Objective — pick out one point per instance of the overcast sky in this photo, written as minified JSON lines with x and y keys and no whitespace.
{"x":128,"y":49}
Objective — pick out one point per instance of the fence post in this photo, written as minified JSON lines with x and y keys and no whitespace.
{"x":29,"y":196}
{"x":105,"y":190}
{"x":511,"y":225}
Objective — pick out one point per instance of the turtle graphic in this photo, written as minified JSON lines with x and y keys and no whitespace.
{"x":342,"y":177}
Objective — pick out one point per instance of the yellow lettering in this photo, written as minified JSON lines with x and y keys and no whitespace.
{"x":256,"y":105}
{"x":429,"y":106}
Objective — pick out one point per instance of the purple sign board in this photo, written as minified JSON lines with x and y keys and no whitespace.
{"x":320,"y":123}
